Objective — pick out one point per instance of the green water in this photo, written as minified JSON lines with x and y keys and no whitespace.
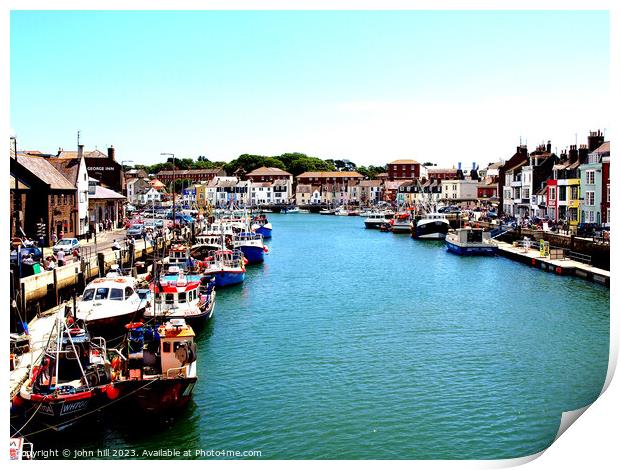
{"x":352,"y":343}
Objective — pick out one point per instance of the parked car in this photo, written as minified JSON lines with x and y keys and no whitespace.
{"x":135,"y":231}
{"x":67,"y":245}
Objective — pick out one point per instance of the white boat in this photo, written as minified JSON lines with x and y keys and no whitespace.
{"x":432,"y":226}
{"x":290,"y":210}
{"x":304,"y":211}
{"x":108,"y":303}
{"x":341,"y":211}
{"x":376,"y":220}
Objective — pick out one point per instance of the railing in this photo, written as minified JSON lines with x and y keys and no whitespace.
{"x":586,"y":259}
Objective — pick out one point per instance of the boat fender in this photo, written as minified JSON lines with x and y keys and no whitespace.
{"x":533,"y":261}
{"x":119,"y":280}
{"x":265,"y":249}
{"x":112,"y":392}
{"x":558,"y":270}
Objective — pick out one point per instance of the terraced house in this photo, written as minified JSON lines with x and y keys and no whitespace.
{"x":593,"y":188}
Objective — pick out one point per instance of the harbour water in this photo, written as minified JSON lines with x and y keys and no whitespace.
{"x":352,"y":343}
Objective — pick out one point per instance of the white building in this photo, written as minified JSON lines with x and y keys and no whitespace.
{"x":454,"y":191}
{"x":261,"y":193}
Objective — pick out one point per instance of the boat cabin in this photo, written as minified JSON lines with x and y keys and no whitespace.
{"x":177,"y":348}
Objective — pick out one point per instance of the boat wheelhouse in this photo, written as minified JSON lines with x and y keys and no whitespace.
{"x":176,"y":295}
{"x":376,"y":219}
{"x":108,"y":303}
{"x":402,"y":223}
{"x":158,"y":371}
{"x":471,"y":241}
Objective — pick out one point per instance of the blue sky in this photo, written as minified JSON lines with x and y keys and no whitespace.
{"x":368,"y":86}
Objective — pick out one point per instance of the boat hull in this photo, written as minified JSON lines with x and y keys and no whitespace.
{"x":397,"y":228}
{"x":114,"y":325}
{"x":471,"y":250}
{"x":157,"y":396}
{"x":435,"y":230}
{"x":264,"y":231}
{"x":229,"y":278}
{"x":254,"y":254}
{"x":376,"y":224}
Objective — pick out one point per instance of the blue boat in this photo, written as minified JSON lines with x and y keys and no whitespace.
{"x":252,"y":246}
{"x":227,"y":266}
{"x":471,"y":241}
{"x":261,"y":225}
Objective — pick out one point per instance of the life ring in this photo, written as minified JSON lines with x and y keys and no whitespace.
{"x":132,"y":325}
{"x":119,"y":279}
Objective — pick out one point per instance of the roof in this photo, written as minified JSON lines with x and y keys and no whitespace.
{"x":304,"y":188}
{"x":370,"y":183}
{"x":603,"y":149}
{"x":105,"y":193}
{"x":265,"y":184}
{"x":434,"y":169}
{"x":517,"y":166}
{"x":268,"y":171}
{"x":280,"y":182}
{"x":45,"y":171}
{"x":495,"y":166}
{"x":70,"y":154}
{"x":392,"y":185}
{"x":67,"y":166}
{"x":330,"y":174}
{"x":404,"y":162}
{"x":156,"y":183}
{"x":405,"y":183}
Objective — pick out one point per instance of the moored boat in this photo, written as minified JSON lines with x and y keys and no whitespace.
{"x":471,"y":241}
{"x":261,"y":225}
{"x":228,"y":267}
{"x":402,"y":223}
{"x":251,"y":245}
{"x":108,"y":303}
{"x":376,"y":219}
{"x":70,"y":382}
{"x":431,"y":226}
{"x":159,"y":369}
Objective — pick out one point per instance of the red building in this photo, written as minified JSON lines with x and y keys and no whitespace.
{"x":403,"y":170}
{"x":268,"y":175}
{"x":605,"y":209}
{"x":439,"y":174}
{"x":195,"y":176}
{"x":347,"y":178}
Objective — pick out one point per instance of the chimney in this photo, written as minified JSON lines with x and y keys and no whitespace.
{"x":111,"y":152}
{"x":549,"y":146}
{"x":595,"y":140}
{"x":80,"y":151}
{"x":583,"y":153}
{"x":573,"y":154}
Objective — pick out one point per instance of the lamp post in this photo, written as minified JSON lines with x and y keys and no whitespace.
{"x":174,"y":204}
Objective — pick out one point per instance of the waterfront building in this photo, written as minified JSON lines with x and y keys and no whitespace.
{"x":512,"y":189}
{"x":148,"y":196}
{"x":282,"y":190}
{"x":504,"y":189}
{"x":405,"y":169}
{"x":354,"y":194}
{"x":370,"y":191}
{"x":271,"y":175}
{"x":439,"y":174}
{"x":188,"y":196}
{"x":134,"y":173}
{"x":406,"y":189}
{"x":390,"y":191}
{"x":606,"y":208}
{"x":75,"y":170}
{"x":136,"y":186}
{"x":101,"y":166}
{"x":533,"y":177}
{"x":487,"y":191}
{"x":104,"y":204}
{"x":563,"y":190}
{"x":262,"y":193}
{"x":158,"y":185}
{"x":224,"y":190}
{"x":345,"y":178}
{"x":201,"y":195}
{"x":593,"y":190}
{"x":46,"y":197}
{"x":457,"y":191}
{"x":307,"y":194}
{"x":194,"y":176}
{"x":242,"y":192}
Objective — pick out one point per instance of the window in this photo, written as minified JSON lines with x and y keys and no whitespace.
{"x":526,"y":193}
{"x":166,"y":346}
{"x":590,"y":177}
{"x":128,"y":291}
{"x":574,"y":192}
{"x":552,"y":194}
{"x":182,"y":297}
{"x":607,"y":193}
{"x":562,"y":193}
{"x":102,"y":293}
{"x":589,"y":198}
{"x":116,"y":294}
{"x":169,"y":299}
{"x":88,"y":295}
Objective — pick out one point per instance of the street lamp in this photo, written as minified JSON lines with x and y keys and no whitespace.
{"x":174,"y":204}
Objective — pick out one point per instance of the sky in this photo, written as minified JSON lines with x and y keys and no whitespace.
{"x":369,"y":86}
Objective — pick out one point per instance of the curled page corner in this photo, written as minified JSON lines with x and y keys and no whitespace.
{"x":568,"y":418}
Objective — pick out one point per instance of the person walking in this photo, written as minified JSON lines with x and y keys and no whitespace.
{"x":54,"y":239}
{"x":61,"y":258}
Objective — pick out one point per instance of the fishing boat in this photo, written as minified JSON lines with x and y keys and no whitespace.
{"x":376,"y":219}
{"x":402,"y":223}
{"x":227,"y":266}
{"x":290,"y":210}
{"x":353,"y":212}
{"x":158,"y":370}
{"x":327,"y":211}
{"x":431,"y":226}
{"x":471,"y":241}
{"x":304,"y":211}
{"x":251,"y":245}
{"x":341,"y":211}
{"x":176,"y":295}
{"x":71,"y":381}
{"x":108,"y":303}
{"x":261,"y":225}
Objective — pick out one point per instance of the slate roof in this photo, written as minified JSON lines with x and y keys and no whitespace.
{"x":268,"y":171}
{"x":330,"y":174}
{"x":45,"y":171}
{"x":105,"y":193}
